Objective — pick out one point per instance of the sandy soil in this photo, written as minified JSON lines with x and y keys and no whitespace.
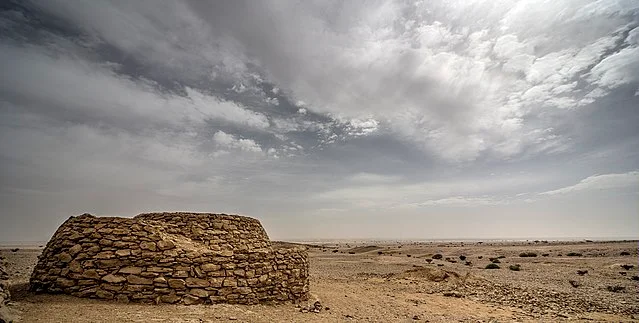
{"x":394,"y":282}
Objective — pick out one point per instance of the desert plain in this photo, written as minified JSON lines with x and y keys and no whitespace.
{"x":398,"y":281}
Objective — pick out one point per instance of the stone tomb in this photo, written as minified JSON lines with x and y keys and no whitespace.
{"x":188,"y":258}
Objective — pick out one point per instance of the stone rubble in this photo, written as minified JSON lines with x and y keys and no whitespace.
{"x":538,"y":301}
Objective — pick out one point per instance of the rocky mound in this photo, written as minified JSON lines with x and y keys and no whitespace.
{"x":430,"y":274}
{"x":188,"y":258}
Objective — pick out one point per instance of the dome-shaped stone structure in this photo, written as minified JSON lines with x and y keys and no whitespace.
{"x":188,"y":258}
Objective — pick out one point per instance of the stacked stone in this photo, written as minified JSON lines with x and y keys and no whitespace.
{"x":4,"y":287}
{"x":184,"y":258}
{"x":218,"y":231}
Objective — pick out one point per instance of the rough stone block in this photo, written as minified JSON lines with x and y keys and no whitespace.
{"x":148,"y":246}
{"x":113,"y":279}
{"x":137,"y":280}
{"x":64,"y":257}
{"x":171,"y":299}
{"x":104,"y":294}
{"x":75,"y":249}
{"x":191,"y":300}
{"x":177,"y":283}
{"x":196,"y":282}
{"x":123,"y":252}
{"x":165,"y":244}
{"x":131,"y":270}
{"x":91,"y":274}
{"x":199,"y":292}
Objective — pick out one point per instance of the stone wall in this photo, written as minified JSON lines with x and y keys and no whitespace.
{"x":4,"y":288}
{"x":188,"y":258}
{"x":5,"y":313}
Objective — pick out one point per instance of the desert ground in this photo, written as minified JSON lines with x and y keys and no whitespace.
{"x":382,"y":281}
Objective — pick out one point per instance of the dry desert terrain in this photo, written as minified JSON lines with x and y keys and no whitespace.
{"x":382,"y":281}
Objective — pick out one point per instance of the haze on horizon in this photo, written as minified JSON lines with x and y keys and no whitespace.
{"x":324,"y":119}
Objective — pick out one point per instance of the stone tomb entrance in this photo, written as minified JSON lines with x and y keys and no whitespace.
{"x":189,"y":258}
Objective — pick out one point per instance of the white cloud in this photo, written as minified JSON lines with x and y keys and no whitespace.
{"x":460,"y":201}
{"x":35,"y":77}
{"x":196,"y":108}
{"x":359,"y":127}
{"x":168,"y":35}
{"x":519,"y":63}
{"x":238,"y":88}
{"x":85,"y":156}
{"x":600,"y":182}
{"x":367,"y":190}
{"x":211,"y":107}
{"x":295,"y":124}
{"x":508,"y":46}
{"x":446,"y":85}
{"x":228,"y":141}
{"x":383,"y":191}
{"x":633,"y":37}
{"x":371,"y":178}
{"x":273,"y":153}
{"x":443,"y":77}
{"x":618,"y":69}
{"x":272,"y":101}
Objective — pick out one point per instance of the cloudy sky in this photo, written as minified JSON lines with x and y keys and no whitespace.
{"x":324,"y":119}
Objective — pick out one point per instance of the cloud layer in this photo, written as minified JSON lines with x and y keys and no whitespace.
{"x":292,"y":110}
